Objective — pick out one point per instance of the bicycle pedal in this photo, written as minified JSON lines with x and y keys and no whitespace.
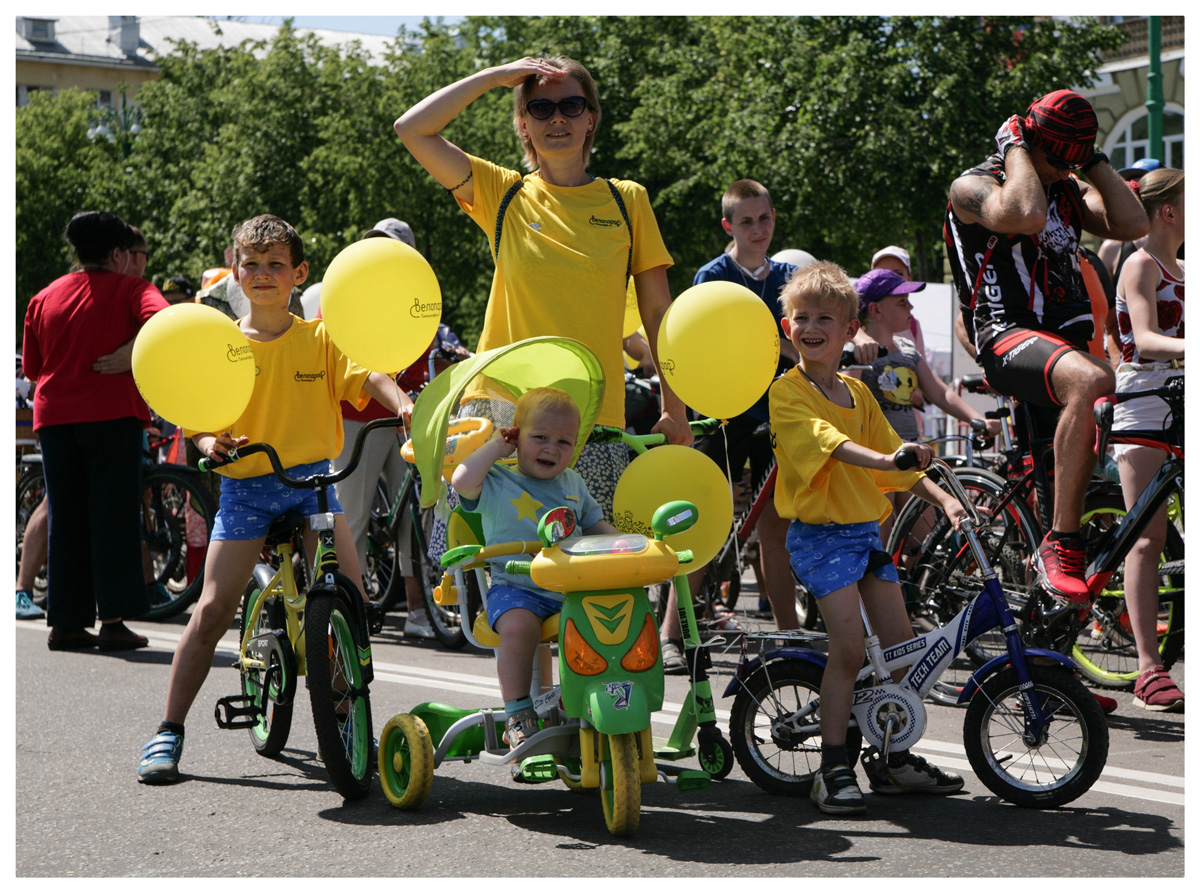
{"x":692,"y":780}
{"x":539,"y":769}
{"x":240,"y":712}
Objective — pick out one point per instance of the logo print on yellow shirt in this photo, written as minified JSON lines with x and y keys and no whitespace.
{"x":526,"y":507}
{"x":535,"y":226}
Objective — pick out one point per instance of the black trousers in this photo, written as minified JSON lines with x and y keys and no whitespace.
{"x":93,"y":484}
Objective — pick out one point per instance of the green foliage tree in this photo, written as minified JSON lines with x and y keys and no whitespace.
{"x":856,"y":124}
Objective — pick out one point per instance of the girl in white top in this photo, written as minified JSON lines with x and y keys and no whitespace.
{"x":1150,"y":320}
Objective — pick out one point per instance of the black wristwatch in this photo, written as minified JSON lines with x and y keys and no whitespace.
{"x":1096,"y":158}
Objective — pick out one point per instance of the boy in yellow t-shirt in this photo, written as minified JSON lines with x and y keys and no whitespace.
{"x":837,"y":458}
{"x":302,"y":377}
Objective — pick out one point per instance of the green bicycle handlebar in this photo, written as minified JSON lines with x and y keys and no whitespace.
{"x":517,"y":567}
{"x":640,"y":442}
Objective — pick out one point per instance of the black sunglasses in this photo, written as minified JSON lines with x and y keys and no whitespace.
{"x":572,"y":107}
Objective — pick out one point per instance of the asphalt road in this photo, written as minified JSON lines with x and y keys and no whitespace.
{"x":80,"y":720}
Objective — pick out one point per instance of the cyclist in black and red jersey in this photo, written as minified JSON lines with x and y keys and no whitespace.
{"x":1012,"y":227}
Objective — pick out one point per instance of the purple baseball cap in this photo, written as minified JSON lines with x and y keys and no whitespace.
{"x":877,"y":284}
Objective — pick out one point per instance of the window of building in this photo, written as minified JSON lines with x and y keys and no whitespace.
{"x":1132,"y":141}
{"x":104,"y":98}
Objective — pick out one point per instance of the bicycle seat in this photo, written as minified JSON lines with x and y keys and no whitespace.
{"x":285,"y":527}
{"x":975,"y":384}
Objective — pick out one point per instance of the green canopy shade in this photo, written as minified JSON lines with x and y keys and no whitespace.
{"x":562,"y":363}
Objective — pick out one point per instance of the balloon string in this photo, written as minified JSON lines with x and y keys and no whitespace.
{"x":737,"y":556}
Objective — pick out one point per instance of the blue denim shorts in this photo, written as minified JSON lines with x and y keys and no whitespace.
{"x":505,"y":598}
{"x":826,"y":557}
{"x":249,"y":505}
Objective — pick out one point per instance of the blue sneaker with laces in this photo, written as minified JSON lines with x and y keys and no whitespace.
{"x":160,"y":758}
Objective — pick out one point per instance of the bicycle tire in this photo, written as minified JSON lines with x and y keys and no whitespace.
{"x":1105,"y":649}
{"x":621,"y":784}
{"x":776,"y":758}
{"x":271,"y":733}
{"x":445,"y":620}
{"x":405,"y":761}
{"x":382,"y":572}
{"x":1053,"y":771}
{"x":172,"y":498}
{"x":341,"y":703}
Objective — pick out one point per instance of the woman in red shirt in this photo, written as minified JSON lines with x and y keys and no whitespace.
{"x":90,"y":427}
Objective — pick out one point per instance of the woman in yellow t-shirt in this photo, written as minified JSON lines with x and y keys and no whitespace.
{"x":567,"y":243}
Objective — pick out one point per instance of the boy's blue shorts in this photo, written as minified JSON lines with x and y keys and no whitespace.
{"x":826,"y":557}
{"x":249,"y":505}
{"x":505,"y":598}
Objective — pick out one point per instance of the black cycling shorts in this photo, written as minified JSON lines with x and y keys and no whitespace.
{"x":743,"y":444}
{"x":1018,"y":363}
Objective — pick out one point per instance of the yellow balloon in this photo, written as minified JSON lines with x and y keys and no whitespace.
{"x":381,"y":304}
{"x":718,"y":347}
{"x":633,"y":317}
{"x":194,"y":367}
{"x":670,"y":472}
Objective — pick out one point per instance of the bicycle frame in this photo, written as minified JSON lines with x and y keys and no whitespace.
{"x":283,"y":585}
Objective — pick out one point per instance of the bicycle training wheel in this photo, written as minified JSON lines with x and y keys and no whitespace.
{"x":271,"y":689}
{"x":341,"y":704}
{"x":405,"y":761}
{"x":620,"y":784}
{"x":177,"y":519}
{"x":1105,"y":649}
{"x":1061,"y":764}
{"x":775,"y":727}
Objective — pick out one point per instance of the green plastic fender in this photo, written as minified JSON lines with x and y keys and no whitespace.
{"x":615,"y":708}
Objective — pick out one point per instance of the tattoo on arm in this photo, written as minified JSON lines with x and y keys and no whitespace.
{"x":970,"y":194}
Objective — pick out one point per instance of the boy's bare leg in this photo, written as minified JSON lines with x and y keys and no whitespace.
{"x":777,"y":568}
{"x":227,"y":569}
{"x":1138,"y":467}
{"x":889,"y":617}
{"x":843,"y":623}
{"x":520,"y":633}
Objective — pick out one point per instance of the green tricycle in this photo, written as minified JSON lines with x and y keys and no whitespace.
{"x":595,"y":723}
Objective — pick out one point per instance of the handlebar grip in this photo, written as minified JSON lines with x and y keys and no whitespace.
{"x":1001,"y":413}
{"x":848,"y":356}
{"x":906,"y":459}
{"x":685,"y":556}
{"x":517,"y":567}
{"x":207,"y":464}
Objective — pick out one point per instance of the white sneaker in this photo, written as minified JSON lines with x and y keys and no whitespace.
{"x":417,"y":625}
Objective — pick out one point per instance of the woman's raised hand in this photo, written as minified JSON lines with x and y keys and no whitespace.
{"x":513,"y":73}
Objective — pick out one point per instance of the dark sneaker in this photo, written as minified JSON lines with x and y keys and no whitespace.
{"x":913,"y":776}
{"x":672,"y":656}
{"x":1062,"y":570}
{"x":1155,"y":690}
{"x":520,"y":726}
{"x":836,"y":792}
{"x":160,"y":759}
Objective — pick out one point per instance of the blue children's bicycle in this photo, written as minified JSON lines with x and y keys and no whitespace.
{"x":1032,"y":732}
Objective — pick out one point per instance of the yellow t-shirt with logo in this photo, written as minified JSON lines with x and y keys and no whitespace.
{"x":806,"y":428}
{"x":561,"y":269}
{"x":300,"y":378}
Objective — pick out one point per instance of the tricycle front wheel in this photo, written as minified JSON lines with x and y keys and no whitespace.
{"x":621,"y":784}
{"x":405,"y":761}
